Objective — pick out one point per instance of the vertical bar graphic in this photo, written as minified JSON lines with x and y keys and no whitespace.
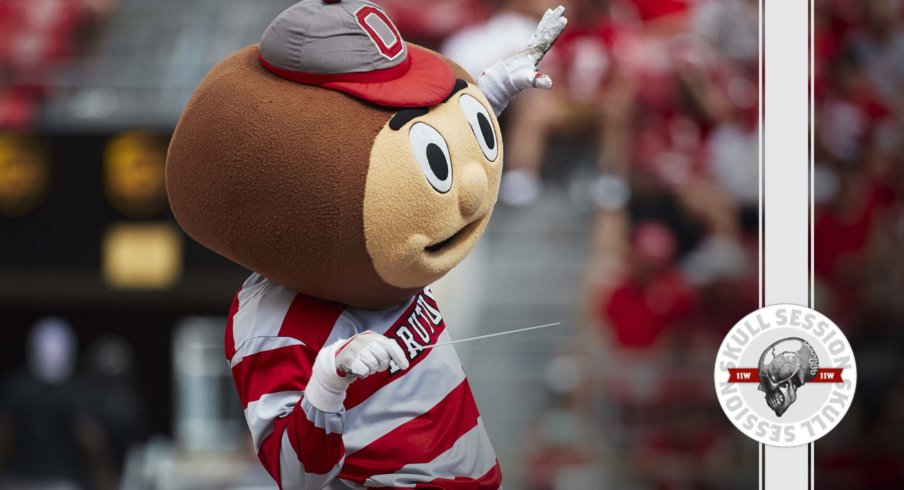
{"x":785,"y":192}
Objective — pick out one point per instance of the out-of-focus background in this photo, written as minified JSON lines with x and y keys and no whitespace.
{"x":859,"y":229}
{"x":628,"y":212}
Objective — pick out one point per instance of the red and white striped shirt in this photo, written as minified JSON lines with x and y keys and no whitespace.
{"x":417,"y":428}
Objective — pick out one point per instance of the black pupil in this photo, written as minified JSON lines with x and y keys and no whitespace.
{"x":437,"y":160}
{"x":487,"y":130}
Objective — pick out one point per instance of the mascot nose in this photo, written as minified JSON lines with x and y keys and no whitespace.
{"x":472,"y":191}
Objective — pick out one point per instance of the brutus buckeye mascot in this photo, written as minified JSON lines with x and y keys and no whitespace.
{"x":349,"y":170}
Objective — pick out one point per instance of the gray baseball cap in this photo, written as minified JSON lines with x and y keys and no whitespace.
{"x":352,"y":46}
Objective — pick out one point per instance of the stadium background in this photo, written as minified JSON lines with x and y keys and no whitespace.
{"x":628,"y":212}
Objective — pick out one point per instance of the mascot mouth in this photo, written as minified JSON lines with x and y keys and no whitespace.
{"x":453,"y":240}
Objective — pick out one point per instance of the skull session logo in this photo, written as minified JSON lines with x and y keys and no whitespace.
{"x":785,"y":375}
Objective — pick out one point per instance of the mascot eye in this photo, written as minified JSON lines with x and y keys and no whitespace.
{"x":432,"y":154}
{"x":482,"y":125}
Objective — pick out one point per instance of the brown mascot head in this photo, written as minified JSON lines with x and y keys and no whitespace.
{"x":336,"y":159}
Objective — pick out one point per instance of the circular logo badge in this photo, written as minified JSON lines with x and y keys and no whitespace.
{"x":785,"y":375}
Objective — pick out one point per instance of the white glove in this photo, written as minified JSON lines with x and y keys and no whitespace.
{"x":504,"y":80}
{"x":344,"y":361}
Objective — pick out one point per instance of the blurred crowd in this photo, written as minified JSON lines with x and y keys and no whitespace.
{"x":859,"y":228}
{"x":37,"y":38}
{"x":653,"y":126}
{"x":67,"y":423}
{"x":651,"y":129}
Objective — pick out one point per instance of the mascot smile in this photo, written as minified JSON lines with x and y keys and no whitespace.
{"x":348,"y":170}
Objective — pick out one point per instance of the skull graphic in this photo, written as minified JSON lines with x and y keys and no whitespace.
{"x":784,"y":367}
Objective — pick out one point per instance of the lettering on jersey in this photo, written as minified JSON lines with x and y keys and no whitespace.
{"x":418,"y":327}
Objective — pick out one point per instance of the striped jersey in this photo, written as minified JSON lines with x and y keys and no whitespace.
{"x":417,"y":428}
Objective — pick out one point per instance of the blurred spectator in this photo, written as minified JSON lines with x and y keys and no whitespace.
{"x":504,"y":33}
{"x":531,"y":118}
{"x":43,"y":440}
{"x":113,"y":403}
{"x":654,"y":295}
{"x":578,"y":108}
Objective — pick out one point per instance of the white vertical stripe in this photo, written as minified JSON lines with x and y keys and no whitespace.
{"x":291,"y":471}
{"x":786,"y":160}
{"x":762,"y":151}
{"x":762,"y":145}
{"x":785,"y":203}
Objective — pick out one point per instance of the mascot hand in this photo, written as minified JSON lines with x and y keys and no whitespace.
{"x":368,"y":353}
{"x":504,"y":80}
{"x":344,"y":361}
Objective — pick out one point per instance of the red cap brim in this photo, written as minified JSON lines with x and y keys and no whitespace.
{"x":428,"y":81}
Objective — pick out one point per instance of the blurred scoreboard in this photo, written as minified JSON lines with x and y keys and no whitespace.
{"x":85,"y":218}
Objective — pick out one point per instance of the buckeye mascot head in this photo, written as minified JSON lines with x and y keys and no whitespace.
{"x":337,"y":159}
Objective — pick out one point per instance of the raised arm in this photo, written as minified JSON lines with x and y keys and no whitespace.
{"x":504,"y":80}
